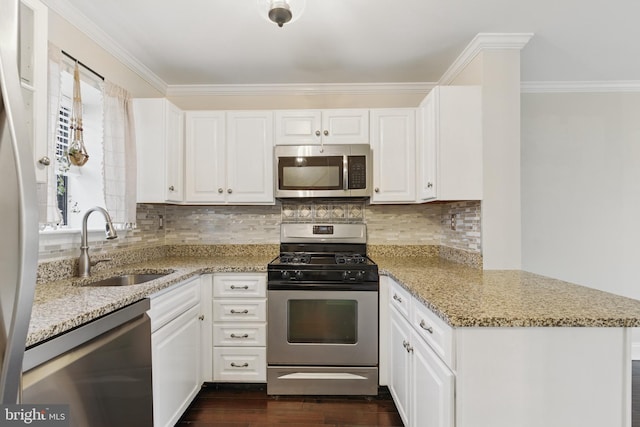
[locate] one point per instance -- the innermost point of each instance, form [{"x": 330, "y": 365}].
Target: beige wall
[
  {"x": 80, "y": 46},
  {"x": 302, "y": 101}
]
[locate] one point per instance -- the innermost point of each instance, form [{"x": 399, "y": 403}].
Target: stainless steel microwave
[{"x": 323, "y": 170}]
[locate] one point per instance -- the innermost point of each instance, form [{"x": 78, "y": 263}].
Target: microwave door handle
[{"x": 345, "y": 173}]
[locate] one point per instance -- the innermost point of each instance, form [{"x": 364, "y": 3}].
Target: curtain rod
[{"x": 87, "y": 68}]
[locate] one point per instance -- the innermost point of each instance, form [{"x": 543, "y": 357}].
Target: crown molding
[
  {"x": 419, "y": 88},
  {"x": 580, "y": 86},
  {"x": 79, "y": 20},
  {"x": 479, "y": 43}
]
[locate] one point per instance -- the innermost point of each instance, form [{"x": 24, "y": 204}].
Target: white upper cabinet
[
  {"x": 393, "y": 143},
  {"x": 159, "y": 127},
  {"x": 205, "y": 157},
  {"x": 250, "y": 157},
  {"x": 33, "y": 78},
  {"x": 300, "y": 127},
  {"x": 229, "y": 157},
  {"x": 450, "y": 144}
]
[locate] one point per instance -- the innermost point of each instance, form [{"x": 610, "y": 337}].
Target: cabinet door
[
  {"x": 33, "y": 77},
  {"x": 205, "y": 157},
  {"x": 150, "y": 127},
  {"x": 174, "y": 147},
  {"x": 426, "y": 147},
  {"x": 176, "y": 367},
  {"x": 345, "y": 126},
  {"x": 399, "y": 368},
  {"x": 298, "y": 127},
  {"x": 250, "y": 157},
  {"x": 393, "y": 142},
  {"x": 432, "y": 385}
]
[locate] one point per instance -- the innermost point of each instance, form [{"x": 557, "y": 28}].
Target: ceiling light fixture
[{"x": 281, "y": 11}]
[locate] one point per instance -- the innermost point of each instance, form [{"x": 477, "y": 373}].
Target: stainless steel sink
[{"x": 127, "y": 279}]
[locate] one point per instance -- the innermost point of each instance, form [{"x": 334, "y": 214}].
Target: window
[{"x": 80, "y": 188}]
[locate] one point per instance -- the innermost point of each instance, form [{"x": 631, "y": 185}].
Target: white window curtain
[
  {"x": 119, "y": 167},
  {"x": 50, "y": 217}
]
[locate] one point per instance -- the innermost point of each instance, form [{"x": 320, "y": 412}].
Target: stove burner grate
[{"x": 350, "y": 259}]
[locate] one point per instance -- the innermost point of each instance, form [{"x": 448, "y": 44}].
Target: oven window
[
  {"x": 310, "y": 173},
  {"x": 331, "y": 321}
]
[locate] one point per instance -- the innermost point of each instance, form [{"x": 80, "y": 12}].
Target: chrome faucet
[{"x": 84, "y": 262}]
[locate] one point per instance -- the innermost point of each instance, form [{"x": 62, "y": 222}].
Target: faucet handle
[{"x": 99, "y": 261}]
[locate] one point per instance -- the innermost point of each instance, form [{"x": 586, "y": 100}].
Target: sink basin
[{"x": 127, "y": 279}]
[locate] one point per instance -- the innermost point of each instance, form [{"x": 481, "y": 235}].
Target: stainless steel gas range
[{"x": 323, "y": 312}]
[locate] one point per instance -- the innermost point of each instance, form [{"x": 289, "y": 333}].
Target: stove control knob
[
  {"x": 285, "y": 275},
  {"x": 299, "y": 275},
  {"x": 360, "y": 275},
  {"x": 346, "y": 276}
]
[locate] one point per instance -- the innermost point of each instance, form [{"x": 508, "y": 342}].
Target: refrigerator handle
[{"x": 18, "y": 285}]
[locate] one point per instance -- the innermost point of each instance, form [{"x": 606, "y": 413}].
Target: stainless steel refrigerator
[{"x": 18, "y": 211}]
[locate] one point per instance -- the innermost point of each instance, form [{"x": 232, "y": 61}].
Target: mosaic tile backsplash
[{"x": 425, "y": 224}]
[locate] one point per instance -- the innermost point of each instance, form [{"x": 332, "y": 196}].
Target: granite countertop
[
  {"x": 65, "y": 304},
  {"x": 462, "y": 296},
  {"x": 467, "y": 297}
]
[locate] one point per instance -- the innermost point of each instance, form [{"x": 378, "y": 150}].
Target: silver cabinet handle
[
  {"x": 239, "y": 287},
  {"x": 229, "y": 191},
  {"x": 317, "y": 133},
  {"x": 429, "y": 185},
  {"x": 220, "y": 190},
  {"x": 244, "y": 365},
  {"x": 239, "y": 336},
  {"x": 397, "y": 298},
  {"x": 424, "y": 326},
  {"x": 239, "y": 312},
  {"x": 377, "y": 190},
  {"x": 326, "y": 133},
  {"x": 44, "y": 161},
  {"x": 201, "y": 317},
  {"x": 172, "y": 188}
]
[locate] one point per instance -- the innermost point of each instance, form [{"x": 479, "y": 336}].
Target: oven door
[{"x": 322, "y": 328}]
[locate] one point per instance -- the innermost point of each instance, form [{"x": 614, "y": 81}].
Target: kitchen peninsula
[{"x": 521, "y": 349}]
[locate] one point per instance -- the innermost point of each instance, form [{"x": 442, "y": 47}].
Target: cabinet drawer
[
  {"x": 239, "y": 335},
  {"x": 240, "y": 286},
  {"x": 400, "y": 298},
  {"x": 243, "y": 364},
  {"x": 434, "y": 331},
  {"x": 239, "y": 310},
  {"x": 175, "y": 301}
]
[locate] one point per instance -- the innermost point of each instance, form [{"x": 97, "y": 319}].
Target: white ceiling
[{"x": 366, "y": 41}]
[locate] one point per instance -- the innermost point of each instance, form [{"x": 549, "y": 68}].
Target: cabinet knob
[
  {"x": 229, "y": 191},
  {"x": 326, "y": 133},
  {"x": 317, "y": 133},
  {"x": 172, "y": 188},
  {"x": 377, "y": 190},
  {"x": 220, "y": 190},
  {"x": 429, "y": 185},
  {"x": 201, "y": 317},
  {"x": 44, "y": 161}
]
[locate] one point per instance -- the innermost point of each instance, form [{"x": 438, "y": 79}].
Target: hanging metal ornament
[{"x": 77, "y": 152}]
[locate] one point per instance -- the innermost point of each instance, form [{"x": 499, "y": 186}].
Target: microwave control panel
[{"x": 357, "y": 166}]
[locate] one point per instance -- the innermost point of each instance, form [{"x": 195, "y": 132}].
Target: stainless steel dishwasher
[{"x": 102, "y": 370}]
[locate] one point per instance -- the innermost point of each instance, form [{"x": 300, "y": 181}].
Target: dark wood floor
[
  {"x": 249, "y": 406},
  {"x": 244, "y": 406}
]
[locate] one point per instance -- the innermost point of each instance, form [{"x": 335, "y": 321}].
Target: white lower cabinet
[
  {"x": 176, "y": 324},
  {"x": 239, "y": 327},
  {"x": 421, "y": 384}
]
